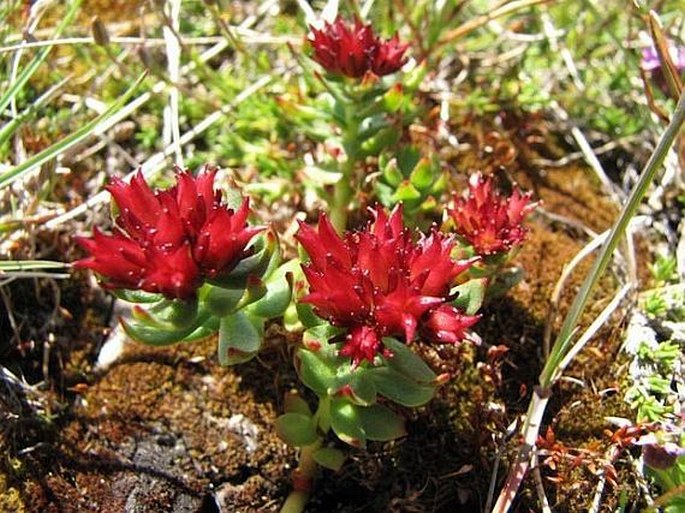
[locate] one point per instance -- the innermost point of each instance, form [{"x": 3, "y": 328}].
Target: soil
[{"x": 169, "y": 430}]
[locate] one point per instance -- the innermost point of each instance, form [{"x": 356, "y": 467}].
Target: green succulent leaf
[
  {"x": 254, "y": 265},
  {"x": 156, "y": 334},
  {"x": 400, "y": 389},
  {"x": 319, "y": 336},
  {"x": 372, "y": 125},
  {"x": 414, "y": 78},
  {"x": 238, "y": 338},
  {"x": 175, "y": 312},
  {"x": 293, "y": 403},
  {"x": 329, "y": 458},
  {"x": 406, "y": 192},
  {"x": 296, "y": 429},
  {"x": 392, "y": 173},
  {"x": 362, "y": 387},
  {"x": 314, "y": 372},
  {"x": 381, "y": 423},
  {"x": 322, "y": 176},
  {"x": 222, "y": 301},
  {"x": 384, "y": 138},
  {"x": 407, "y": 362},
  {"x": 470, "y": 295},
  {"x": 346, "y": 422},
  {"x": 278, "y": 293},
  {"x": 137, "y": 296},
  {"x": 207, "y": 329},
  {"x": 423, "y": 175},
  {"x": 385, "y": 194},
  {"x": 394, "y": 99}
]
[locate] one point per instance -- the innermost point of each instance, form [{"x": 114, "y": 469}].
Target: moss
[{"x": 10, "y": 497}]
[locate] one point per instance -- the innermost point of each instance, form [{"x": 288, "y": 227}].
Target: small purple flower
[
  {"x": 659, "y": 454},
  {"x": 651, "y": 62}
]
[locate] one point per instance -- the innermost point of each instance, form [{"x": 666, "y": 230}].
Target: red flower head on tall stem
[
  {"x": 169, "y": 241},
  {"x": 490, "y": 222},
  {"x": 354, "y": 50},
  {"x": 378, "y": 282}
]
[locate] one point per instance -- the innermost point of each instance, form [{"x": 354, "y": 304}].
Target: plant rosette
[
  {"x": 192, "y": 265},
  {"x": 412, "y": 180},
  {"x": 491, "y": 225},
  {"x": 364, "y": 106},
  {"x": 367, "y": 290}
]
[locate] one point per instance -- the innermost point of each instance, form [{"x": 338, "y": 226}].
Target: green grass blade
[
  {"x": 29, "y": 70},
  {"x": 30, "y": 265},
  {"x": 9, "y": 129},
  {"x": 69, "y": 141},
  {"x": 564, "y": 340}
]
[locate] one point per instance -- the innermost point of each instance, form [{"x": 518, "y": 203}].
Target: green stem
[
  {"x": 303, "y": 476},
  {"x": 342, "y": 195},
  {"x": 303, "y": 480},
  {"x": 343, "y": 191}
]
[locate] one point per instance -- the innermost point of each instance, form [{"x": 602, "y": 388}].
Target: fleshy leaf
[
  {"x": 307, "y": 316},
  {"x": 237, "y": 334},
  {"x": 314, "y": 372},
  {"x": 381, "y": 423},
  {"x": 319, "y": 336},
  {"x": 392, "y": 173},
  {"x": 384, "y": 138},
  {"x": 407, "y": 362},
  {"x": 137, "y": 296},
  {"x": 278, "y": 293},
  {"x": 296, "y": 429},
  {"x": 293, "y": 403},
  {"x": 346, "y": 422},
  {"x": 329, "y": 458},
  {"x": 256, "y": 264},
  {"x": 222, "y": 301},
  {"x": 400, "y": 389},
  {"x": 422, "y": 175},
  {"x": 406, "y": 192},
  {"x": 153, "y": 334},
  {"x": 362, "y": 388},
  {"x": 471, "y": 295}
]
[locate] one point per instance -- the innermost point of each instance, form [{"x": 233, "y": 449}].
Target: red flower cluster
[
  {"x": 490, "y": 222},
  {"x": 378, "y": 282},
  {"x": 355, "y": 50},
  {"x": 168, "y": 241}
]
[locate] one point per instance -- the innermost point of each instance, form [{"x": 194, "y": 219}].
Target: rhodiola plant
[
  {"x": 193, "y": 265},
  {"x": 373, "y": 295},
  {"x": 491, "y": 224},
  {"x": 366, "y": 300},
  {"x": 364, "y": 106}
]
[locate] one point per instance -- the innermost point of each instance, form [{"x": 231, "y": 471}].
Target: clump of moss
[{"x": 10, "y": 497}]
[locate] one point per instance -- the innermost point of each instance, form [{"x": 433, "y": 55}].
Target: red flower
[
  {"x": 379, "y": 282},
  {"x": 490, "y": 222},
  {"x": 354, "y": 50},
  {"x": 168, "y": 241}
]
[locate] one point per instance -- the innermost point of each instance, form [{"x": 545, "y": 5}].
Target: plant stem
[
  {"x": 303, "y": 478},
  {"x": 342, "y": 195},
  {"x": 343, "y": 191},
  {"x": 564, "y": 341}
]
